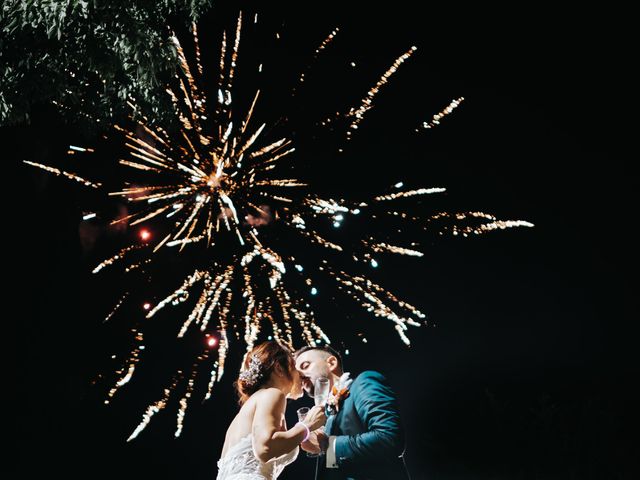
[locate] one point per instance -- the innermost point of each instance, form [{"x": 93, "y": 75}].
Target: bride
[{"x": 257, "y": 444}]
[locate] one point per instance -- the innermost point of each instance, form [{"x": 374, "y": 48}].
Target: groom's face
[{"x": 311, "y": 365}]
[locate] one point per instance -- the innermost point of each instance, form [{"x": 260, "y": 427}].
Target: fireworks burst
[{"x": 214, "y": 187}]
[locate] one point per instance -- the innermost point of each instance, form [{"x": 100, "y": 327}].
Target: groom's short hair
[{"x": 324, "y": 348}]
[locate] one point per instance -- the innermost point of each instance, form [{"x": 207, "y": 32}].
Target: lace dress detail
[{"x": 241, "y": 463}]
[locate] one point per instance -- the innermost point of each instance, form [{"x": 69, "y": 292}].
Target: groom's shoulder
[
  {"x": 371, "y": 383},
  {"x": 369, "y": 376}
]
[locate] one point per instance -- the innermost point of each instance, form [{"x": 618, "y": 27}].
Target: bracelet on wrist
[{"x": 308, "y": 434}]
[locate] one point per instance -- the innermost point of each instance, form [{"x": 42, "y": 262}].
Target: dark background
[{"x": 526, "y": 367}]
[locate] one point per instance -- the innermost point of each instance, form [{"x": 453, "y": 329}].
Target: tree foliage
[{"x": 88, "y": 55}]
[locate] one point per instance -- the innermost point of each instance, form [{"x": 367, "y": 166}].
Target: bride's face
[{"x": 296, "y": 386}]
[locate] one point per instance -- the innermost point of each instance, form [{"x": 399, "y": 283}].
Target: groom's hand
[{"x": 315, "y": 443}]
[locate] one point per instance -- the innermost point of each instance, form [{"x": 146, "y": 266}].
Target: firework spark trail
[
  {"x": 223, "y": 55},
  {"x": 311, "y": 332},
  {"x": 251, "y": 319},
  {"x": 488, "y": 223},
  {"x": 117, "y": 257},
  {"x": 134, "y": 358},
  {"x": 223, "y": 281},
  {"x": 224, "y": 342},
  {"x": 136, "y": 266},
  {"x": 384, "y": 247},
  {"x": 141, "y": 149},
  {"x": 74, "y": 148},
  {"x": 410, "y": 193},
  {"x": 435, "y": 121},
  {"x": 180, "y": 295},
  {"x": 370, "y": 296},
  {"x": 357, "y": 114},
  {"x": 155, "y": 408},
  {"x": 116, "y": 307},
  {"x": 185, "y": 241},
  {"x": 321, "y": 48},
  {"x": 198, "y": 310},
  {"x": 299, "y": 224},
  {"x": 321, "y": 206},
  {"x": 213, "y": 375},
  {"x": 59, "y": 172},
  {"x": 326, "y": 42},
  {"x": 182, "y": 410},
  {"x": 234, "y": 55},
  {"x": 491, "y": 226},
  {"x": 286, "y": 318},
  {"x": 208, "y": 300},
  {"x": 184, "y": 401},
  {"x": 139, "y": 166},
  {"x": 223, "y": 345},
  {"x": 218, "y": 178},
  {"x": 196, "y": 43}
]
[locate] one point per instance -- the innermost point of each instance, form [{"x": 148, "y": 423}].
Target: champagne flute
[
  {"x": 302, "y": 413},
  {"x": 321, "y": 391}
]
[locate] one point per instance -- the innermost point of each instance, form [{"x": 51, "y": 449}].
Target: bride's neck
[{"x": 279, "y": 383}]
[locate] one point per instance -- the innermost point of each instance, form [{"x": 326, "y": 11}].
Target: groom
[{"x": 365, "y": 438}]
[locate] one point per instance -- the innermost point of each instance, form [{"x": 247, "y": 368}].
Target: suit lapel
[
  {"x": 330, "y": 426},
  {"x": 333, "y": 422}
]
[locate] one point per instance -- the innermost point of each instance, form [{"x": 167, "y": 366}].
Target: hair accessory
[{"x": 253, "y": 373}]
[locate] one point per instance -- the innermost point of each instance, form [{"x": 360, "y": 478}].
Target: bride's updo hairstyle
[{"x": 261, "y": 362}]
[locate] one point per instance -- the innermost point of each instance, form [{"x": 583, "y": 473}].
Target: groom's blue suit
[{"x": 369, "y": 440}]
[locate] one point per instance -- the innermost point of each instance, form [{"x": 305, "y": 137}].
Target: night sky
[{"x": 526, "y": 366}]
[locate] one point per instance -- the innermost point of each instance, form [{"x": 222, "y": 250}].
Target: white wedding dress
[{"x": 241, "y": 463}]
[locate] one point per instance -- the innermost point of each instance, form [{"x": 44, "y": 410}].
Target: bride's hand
[{"x": 315, "y": 418}]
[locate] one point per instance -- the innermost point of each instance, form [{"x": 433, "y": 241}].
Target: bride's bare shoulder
[{"x": 269, "y": 397}]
